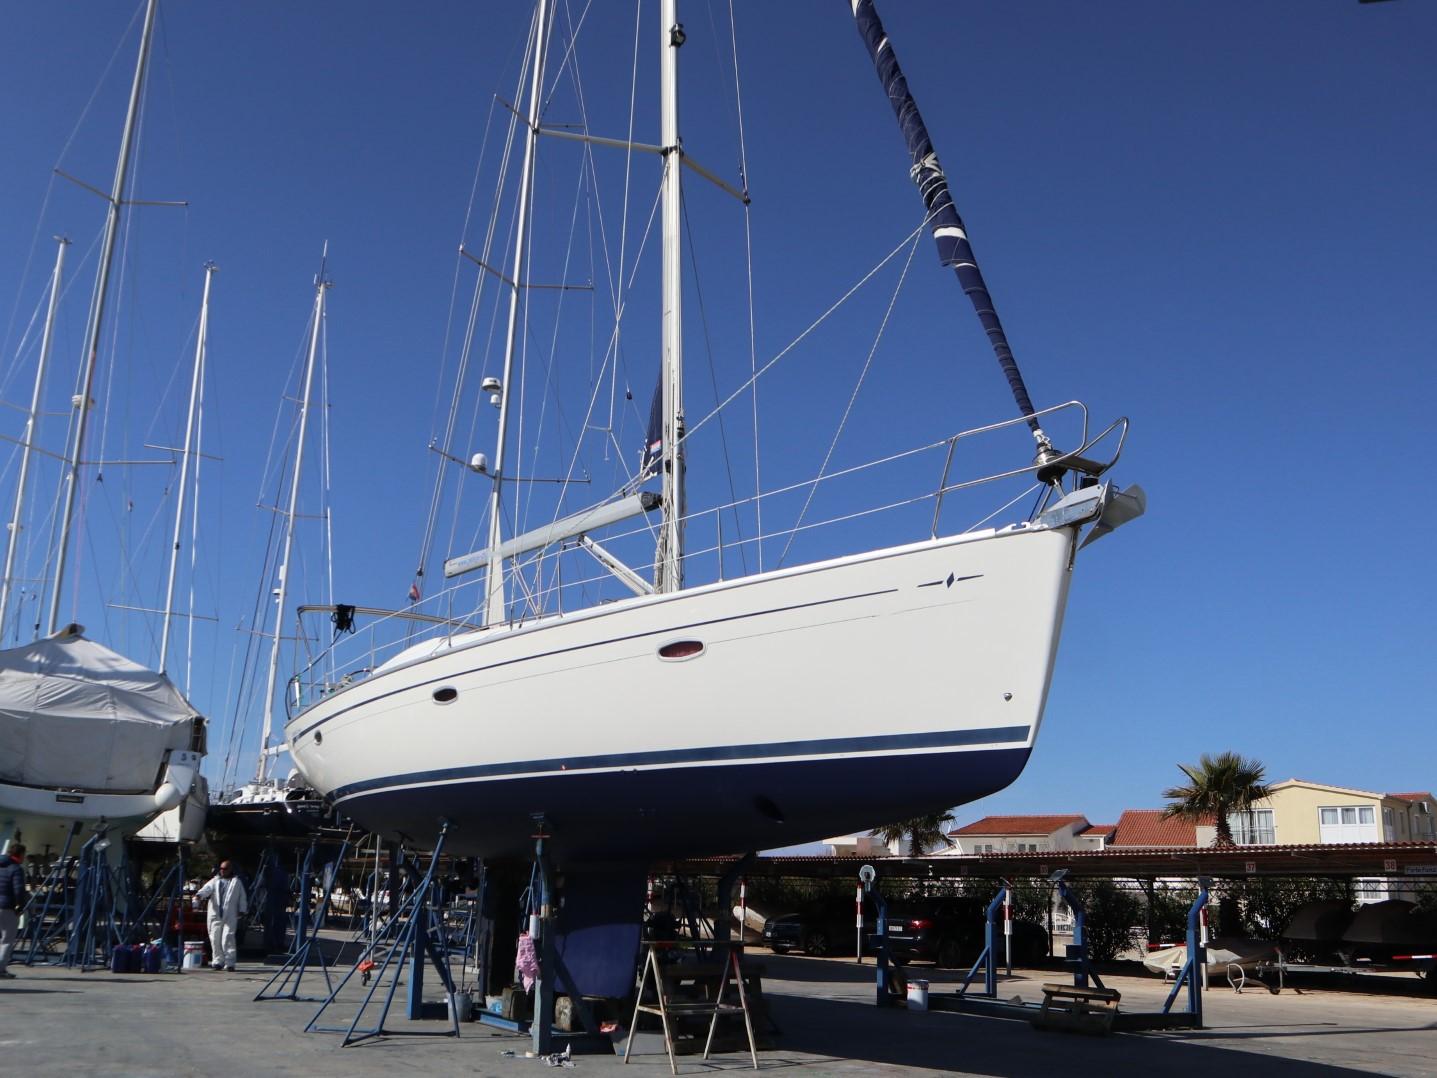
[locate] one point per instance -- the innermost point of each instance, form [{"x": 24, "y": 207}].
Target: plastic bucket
[
  {"x": 917, "y": 995},
  {"x": 194, "y": 954},
  {"x": 461, "y": 1007}
]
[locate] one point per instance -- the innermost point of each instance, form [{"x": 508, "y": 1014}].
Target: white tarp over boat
[
  {"x": 1222, "y": 951},
  {"x": 75, "y": 714}
]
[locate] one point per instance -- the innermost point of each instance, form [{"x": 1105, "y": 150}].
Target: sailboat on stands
[
  {"x": 88, "y": 738},
  {"x": 731, "y": 714}
]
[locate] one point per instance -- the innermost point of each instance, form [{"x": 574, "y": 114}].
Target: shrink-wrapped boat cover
[{"x": 76, "y": 715}]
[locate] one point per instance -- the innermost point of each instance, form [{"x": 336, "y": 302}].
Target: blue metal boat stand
[
  {"x": 307, "y": 946},
  {"x": 408, "y": 936}
]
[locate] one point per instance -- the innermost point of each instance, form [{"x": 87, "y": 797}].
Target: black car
[
  {"x": 950, "y": 933},
  {"x": 923, "y": 935},
  {"x": 817, "y": 933}
]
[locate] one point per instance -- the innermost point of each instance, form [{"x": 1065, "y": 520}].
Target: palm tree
[
  {"x": 922, "y": 832},
  {"x": 1217, "y": 786}
]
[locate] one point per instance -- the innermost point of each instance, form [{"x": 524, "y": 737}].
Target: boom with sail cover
[{"x": 947, "y": 227}]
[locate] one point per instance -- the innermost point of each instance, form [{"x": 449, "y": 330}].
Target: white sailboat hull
[
  {"x": 43, "y": 817},
  {"x": 826, "y": 698}
]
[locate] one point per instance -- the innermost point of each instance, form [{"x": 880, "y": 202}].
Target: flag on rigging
[{"x": 414, "y": 592}]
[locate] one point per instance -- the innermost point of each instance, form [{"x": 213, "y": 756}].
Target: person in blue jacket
[{"x": 12, "y": 901}]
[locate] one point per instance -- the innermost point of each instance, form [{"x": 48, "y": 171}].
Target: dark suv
[
  {"x": 816, "y": 932},
  {"x": 949, "y": 932}
]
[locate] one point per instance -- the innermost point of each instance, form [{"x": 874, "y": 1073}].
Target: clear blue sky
[{"x": 1214, "y": 218}]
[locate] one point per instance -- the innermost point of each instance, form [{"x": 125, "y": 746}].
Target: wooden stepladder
[{"x": 666, "y": 1008}]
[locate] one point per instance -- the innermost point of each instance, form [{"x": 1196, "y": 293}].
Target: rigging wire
[
  {"x": 748, "y": 267},
  {"x": 474, "y": 309},
  {"x": 713, "y": 381},
  {"x": 50, "y": 187},
  {"x": 436, "y": 495},
  {"x": 823, "y": 317},
  {"x": 853, "y": 397}
]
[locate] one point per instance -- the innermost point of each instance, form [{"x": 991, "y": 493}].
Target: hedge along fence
[{"x": 1122, "y": 913}]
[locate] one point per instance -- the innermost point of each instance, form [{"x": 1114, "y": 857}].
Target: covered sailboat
[
  {"x": 733, "y": 714},
  {"x": 88, "y": 735}
]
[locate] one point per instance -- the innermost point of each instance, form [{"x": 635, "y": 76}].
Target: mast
[
  {"x": 494, "y": 605},
  {"x": 97, "y": 314},
  {"x": 30, "y": 424},
  {"x": 196, "y": 378},
  {"x": 266, "y": 753},
  {"x": 668, "y": 568}
]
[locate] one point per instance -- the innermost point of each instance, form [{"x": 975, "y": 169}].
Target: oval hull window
[
  {"x": 681, "y": 649},
  {"x": 446, "y": 695},
  {"x": 318, "y": 738}
]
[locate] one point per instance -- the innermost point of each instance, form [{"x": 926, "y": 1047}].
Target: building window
[
  {"x": 1347, "y": 823},
  {"x": 1252, "y": 828},
  {"x": 1389, "y": 831}
]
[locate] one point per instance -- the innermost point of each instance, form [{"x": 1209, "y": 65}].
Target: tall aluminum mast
[
  {"x": 97, "y": 313},
  {"x": 669, "y": 566},
  {"x": 494, "y": 604},
  {"x": 28, "y": 442},
  {"x": 195, "y": 380},
  {"x": 266, "y": 752}
]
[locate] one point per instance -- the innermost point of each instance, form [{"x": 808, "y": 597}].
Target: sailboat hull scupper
[{"x": 822, "y": 698}]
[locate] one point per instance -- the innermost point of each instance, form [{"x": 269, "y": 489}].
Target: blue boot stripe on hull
[
  {"x": 602, "y": 817},
  {"x": 672, "y": 757}
]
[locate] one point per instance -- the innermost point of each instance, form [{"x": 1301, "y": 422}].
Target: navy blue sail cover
[
  {"x": 654, "y": 439},
  {"x": 948, "y": 232}
]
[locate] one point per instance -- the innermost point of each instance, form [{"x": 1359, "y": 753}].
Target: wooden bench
[{"x": 1078, "y": 1010}]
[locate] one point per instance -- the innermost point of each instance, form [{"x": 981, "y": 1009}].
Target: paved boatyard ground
[{"x": 55, "y": 1021}]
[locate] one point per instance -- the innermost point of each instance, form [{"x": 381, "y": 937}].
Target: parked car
[
  {"x": 949, "y": 932},
  {"x": 817, "y": 932}
]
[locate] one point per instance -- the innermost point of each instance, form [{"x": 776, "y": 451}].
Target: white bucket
[
  {"x": 194, "y": 954},
  {"x": 917, "y": 995}
]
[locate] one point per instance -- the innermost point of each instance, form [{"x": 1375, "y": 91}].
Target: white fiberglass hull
[
  {"x": 42, "y": 818},
  {"x": 826, "y": 698}
]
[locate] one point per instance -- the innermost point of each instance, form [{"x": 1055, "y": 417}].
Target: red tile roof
[
  {"x": 1146, "y": 827},
  {"x": 1105, "y": 829},
  {"x": 1018, "y": 825},
  {"x": 1418, "y": 796}
]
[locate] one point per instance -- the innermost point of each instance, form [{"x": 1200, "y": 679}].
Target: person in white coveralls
[{"x": 227, "y": 902}]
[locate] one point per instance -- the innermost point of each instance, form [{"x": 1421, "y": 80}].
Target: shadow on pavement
[{"x": 840, "y": 1030}]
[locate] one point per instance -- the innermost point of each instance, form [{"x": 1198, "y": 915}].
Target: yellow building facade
[{"x": 1302, "y": 813}]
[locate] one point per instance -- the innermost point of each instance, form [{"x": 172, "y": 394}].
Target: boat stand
[
  {"x": 285, "y": 982},
  {"x": 408, "y": 936},
  {"x": 1082, "y": 1007},
  {"x": 885, "y": 992},
  {"x": 166, "y": 899},
  {"x": 258, "y": 894},
  {"x": 988, "y": 960},
  {"x": 46, "y": 926},
  {"x": 665, "y": 1008},
  {"x": 93, "y": 928},
  {"x": 540, "y": 1028}
]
